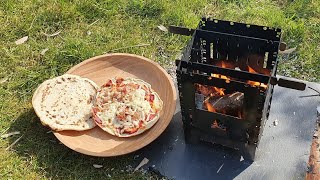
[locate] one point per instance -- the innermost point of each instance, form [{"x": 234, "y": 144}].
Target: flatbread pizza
[
  {"x": 65, "y": 103},
  {"x": 126, "y": 107}
]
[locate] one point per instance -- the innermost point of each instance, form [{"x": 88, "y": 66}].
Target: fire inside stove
[
  {"x": 219, "y": 100},
  {"x": 224, "y": 80},
  {"x": 214, "y": 99}
]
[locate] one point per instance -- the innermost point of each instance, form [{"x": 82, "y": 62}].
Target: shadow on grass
[{"x": 54, "y": 160}]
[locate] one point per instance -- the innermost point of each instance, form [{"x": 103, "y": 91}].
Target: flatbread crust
[
  {"x": 65, "y": 103},
  {"x": 110, "y": 127}
]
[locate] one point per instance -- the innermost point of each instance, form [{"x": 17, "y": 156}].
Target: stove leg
[{"x": 191, "y": 136}]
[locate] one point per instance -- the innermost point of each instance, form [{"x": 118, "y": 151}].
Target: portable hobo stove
[{"x": 226, "y": 77}]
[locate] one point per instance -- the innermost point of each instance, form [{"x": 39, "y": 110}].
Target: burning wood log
[{"x": 230, "y": 104}]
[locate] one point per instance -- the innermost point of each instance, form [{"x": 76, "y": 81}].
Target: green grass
[{"x": 90, "y": 28}]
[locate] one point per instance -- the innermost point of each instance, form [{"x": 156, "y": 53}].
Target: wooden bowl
[{"x": 97, "y": 142}]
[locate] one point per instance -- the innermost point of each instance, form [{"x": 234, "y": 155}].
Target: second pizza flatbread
[{"x": 65, "y": 103}]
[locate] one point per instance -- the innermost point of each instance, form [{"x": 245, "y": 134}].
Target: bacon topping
[{"x": 151, "y": 117}]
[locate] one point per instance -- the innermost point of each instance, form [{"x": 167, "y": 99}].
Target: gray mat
[{"x": 283, "y": 151}]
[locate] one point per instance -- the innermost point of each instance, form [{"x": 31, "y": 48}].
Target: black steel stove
[{"x": 226, "y": 77}]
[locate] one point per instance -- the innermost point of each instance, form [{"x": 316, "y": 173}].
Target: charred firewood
[{"x": 230, "y": 104}]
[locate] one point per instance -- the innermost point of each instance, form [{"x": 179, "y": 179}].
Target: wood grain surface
[{"x": 97, "y": 142}]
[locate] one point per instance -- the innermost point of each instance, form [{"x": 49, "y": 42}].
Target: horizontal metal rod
[{"x": 242, "y": 75}]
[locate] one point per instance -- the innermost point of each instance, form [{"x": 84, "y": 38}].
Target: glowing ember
[{"x": 215, "y": 124}]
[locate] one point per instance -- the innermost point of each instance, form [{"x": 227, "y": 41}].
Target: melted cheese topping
[
  {"x": 139, "y": 102},
  {"x": 122, "y": 106}
]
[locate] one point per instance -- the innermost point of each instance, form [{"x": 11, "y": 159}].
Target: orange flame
[
  {"x": 210, "y": 107},
  {"x": 257, "y": 84},
  {"x": 254, "y": 83},
  {"x": 215, "y": 75},
  {"x": 221, "y": 77},
  {"x": 225, "y": 64},
  {"x": 251, "y": 70},
  {"x": 220, "y": 91}
]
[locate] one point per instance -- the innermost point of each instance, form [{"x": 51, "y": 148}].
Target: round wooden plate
[{"x": 97, "y": 142}]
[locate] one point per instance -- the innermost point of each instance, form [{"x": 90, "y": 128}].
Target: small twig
[
  {"x": 220, "y": 168},
  {"x": 93, "y": 22},
  {"x": 10, "y": 134},
  {"x": 138, "y": 45},
  {"x": 52, "y": 35},
  {"x": 15, "y": 142},
  {"x": 142, "y": 163}
]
